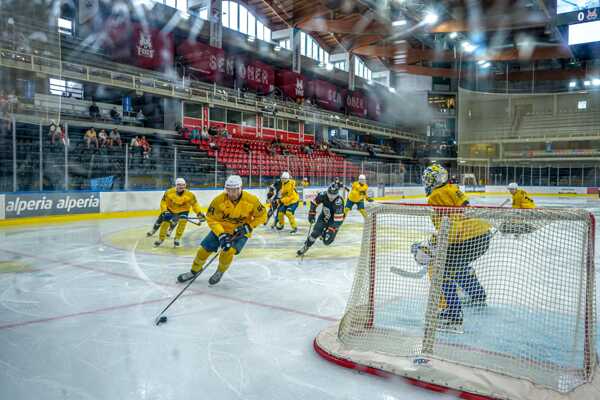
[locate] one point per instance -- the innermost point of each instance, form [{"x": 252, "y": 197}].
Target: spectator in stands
[
  {"x": 204, "y": 134},
  {"x": 213, "y": 146},
  {"x": 212, "y": 131},
  {"x": 115, "y": 116},
  {"x": 246, "y": 147},
  {"x": 115, "y": 138},
  {"x": 64, "y": 136},
  {"x": 195, "y": 136},
  {"x": 54, "y": 132},
  {"x": 94, "y": 111},
  {"x": 307, "y": 150},
  {"x": 371, "y": 151},
  {"x": 225, "y": 134},
  {"x": 140, "y": 117},
  {"x": 103, "y": 138},
  {"x": 90, "y": 136},
  {"x": 145, "y": 147},
  {"x": 136, "y": 145}
]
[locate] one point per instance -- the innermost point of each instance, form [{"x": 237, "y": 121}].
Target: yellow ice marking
[{"x": 13, "y": 266}]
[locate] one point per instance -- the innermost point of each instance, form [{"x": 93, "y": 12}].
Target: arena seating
[{"x": 260, "y": 161}]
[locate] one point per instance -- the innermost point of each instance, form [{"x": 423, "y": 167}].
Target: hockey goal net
[{"x": 517, "y": 287}]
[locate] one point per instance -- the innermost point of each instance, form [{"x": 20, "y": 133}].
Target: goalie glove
[{"x": 422, "y": 252}]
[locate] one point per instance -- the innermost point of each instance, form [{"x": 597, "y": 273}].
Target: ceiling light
[
  {"x": 391, "y": 89},
  {"x": 587, "y": 83},
  {"x": 486, "y": 65},
  {"x": 329, "y": 67},
  {"x": 572, "y": 84},
  {"x": 596, "y": 82},
  {"x": 453, "y": 35},
  {"x": 369, "y": 82},
  {"x": 251, "y": 39},
  {"x": 400, "y": 22},
  {"x": 468, "y": 47},
  {"x": 431, "y": 18},
  {"x": 481, "y": 62},
  {"x": 277, "y": 48}
]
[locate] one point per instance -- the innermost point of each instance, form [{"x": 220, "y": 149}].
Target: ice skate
[{"x": 216, "y": 277}]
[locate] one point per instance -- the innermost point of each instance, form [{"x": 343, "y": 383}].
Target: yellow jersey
[
  {"x": 522, "y": 200},
  {"x": 289, "y": 195},
  {"x": 461, "y": 228},
  {"x": 358, "y": 192},
  {"x": 224, "y": 216},
  {"x": 178, "y": 203}
]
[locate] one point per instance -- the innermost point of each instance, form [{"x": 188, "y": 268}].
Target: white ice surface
[{"x": 79, "y": 323}]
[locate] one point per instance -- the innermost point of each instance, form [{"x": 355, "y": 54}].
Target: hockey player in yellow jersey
[
  {"x": 289, "y": 200},
  {"x": 358, "y": 195},
  {"x": 520, "y": 198},
  {"x": 468, "y": 239},
  {"x": 174, "y": 209},
  {"x": 231, "y": 217}
]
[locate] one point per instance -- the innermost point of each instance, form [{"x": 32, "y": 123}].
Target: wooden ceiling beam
[
  {"x": 522, "y": 20},
  {"x": 345, "y": 25}
]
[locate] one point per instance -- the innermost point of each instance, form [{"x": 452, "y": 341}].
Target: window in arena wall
[
  {"x": 249, "y": 119},
  {"x": 234, "y": 117},
  {"x": 309, "y": 128},
  {"x": 193, "y": 110},
  {"x": 268, "y": 122},
  {"x": 282, "y": 124},
  {"x": 237, "y": 16},
  {"x": 217, "y": 114},
  {"x": 293, "y": 126}
]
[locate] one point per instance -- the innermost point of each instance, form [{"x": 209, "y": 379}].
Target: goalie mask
[
  {"x": 434, "y": 176},
  {"x": 422, "y": 252}
]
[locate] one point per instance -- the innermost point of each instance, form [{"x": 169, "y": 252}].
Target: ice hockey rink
[{"x": 78, "y": 300}]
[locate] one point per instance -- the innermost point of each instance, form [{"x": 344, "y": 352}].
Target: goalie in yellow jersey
[
  {"x": 520, "y": 200},
  {"x": 174, "y": 209},
  {"x": 288, "y": 203},
  {"x": 231, "y": 217},
  {"x": 358, "y": 194},
  {"x": 468, "y": 240}
]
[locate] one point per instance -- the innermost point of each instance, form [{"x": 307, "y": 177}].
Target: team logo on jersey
[{"x": 144, "y": 46}]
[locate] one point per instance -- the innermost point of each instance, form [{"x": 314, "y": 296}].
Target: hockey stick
[
  {"x": 505, "y": 202},
  {"x": 305, "y": 240},
  {"x": 195, "y": 220},
  {"x": 158, "y": 320},
  {"x": 414, "y": 275}
]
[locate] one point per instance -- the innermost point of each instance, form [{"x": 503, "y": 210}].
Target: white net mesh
[{"x": 503, "y": 290}]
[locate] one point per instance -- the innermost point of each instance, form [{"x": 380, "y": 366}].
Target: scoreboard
[
  {"x": 577, "y": 11},
  {"x": 579, "y": 22}
]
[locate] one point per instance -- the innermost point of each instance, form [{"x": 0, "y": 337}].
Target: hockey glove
[
  {"x": 329, "y": 235},
  {"x": 370, "y": 200},
  {"x": 312, "y": 216},
  {"x": 242, "y": 230},
  {"x": 167, "y": 216},
  {"x": 225, "y": 241}
]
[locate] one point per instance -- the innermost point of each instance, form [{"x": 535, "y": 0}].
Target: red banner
[
  {"x": 257, "y": 76},
  {"x": 291, "y": 84},
  {"x": 151, "y": 48},
  {"x": 355, "y": 103},
  {"x": 325, "y": 95},
  {"x": 133, "y": 44},
  {"x": 209, "y": 63}
]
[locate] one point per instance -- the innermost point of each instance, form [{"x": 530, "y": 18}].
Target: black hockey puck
[{"x": 161, "y": 320}]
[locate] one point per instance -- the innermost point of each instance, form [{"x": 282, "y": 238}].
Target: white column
[{"x": 216, "y": 27}]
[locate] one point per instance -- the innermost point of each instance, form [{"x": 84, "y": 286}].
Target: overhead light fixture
[
  {"x": 453, "y": 35},
  {"x": 486, "y": 65},
  {"x": 431, "y": 18},
  {"x": 369, "y": 82},
  {"x": 277, "y": 48},
  {"x": 468, "y": 47},
  {"x": 251, "y": 39},
  {"x": 185, "y": 15},
  {"x": 400, "y": 22},
  {"x": 392, "y": 90},
  {"x": 596, "y": 82},
  {"x": 329, "y": 67},
  {"x": 587, "y": 83},
  {"x": 572, "y": 84},
  {"x": 481, "y": 62}
]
